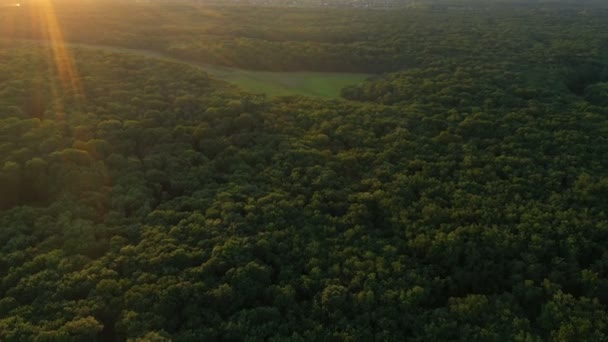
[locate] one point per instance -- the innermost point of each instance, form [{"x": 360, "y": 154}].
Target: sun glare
[{"x": 60, "y": 58}]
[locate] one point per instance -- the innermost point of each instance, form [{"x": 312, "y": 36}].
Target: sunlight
[{"x": 61, "y": 58}]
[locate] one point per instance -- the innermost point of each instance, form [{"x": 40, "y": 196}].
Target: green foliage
[{"x": 461, "y": 198}]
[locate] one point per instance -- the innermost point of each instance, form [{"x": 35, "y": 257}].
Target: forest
[{"x": 459, "y": 195}]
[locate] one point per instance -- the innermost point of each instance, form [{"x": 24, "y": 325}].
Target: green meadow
[{"x": 317, "y": 84}]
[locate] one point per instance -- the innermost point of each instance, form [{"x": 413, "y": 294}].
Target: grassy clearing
[{"x": 317, "y": 84}]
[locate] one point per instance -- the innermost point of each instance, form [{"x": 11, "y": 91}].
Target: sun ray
[{"x": 65, "y": 66}]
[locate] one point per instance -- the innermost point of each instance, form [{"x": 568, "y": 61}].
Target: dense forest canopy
[{"x": 460, "y": 195}]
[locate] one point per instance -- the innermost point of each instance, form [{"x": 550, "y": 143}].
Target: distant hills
[
  {"x": 388, "y": 4},
  {"x": 317, "y": 3}
]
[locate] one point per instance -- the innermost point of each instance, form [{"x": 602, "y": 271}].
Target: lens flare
[{"x": 43, "y": 12}]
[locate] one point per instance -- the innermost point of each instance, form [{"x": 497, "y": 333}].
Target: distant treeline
[{"x": 325, "y": 40}]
